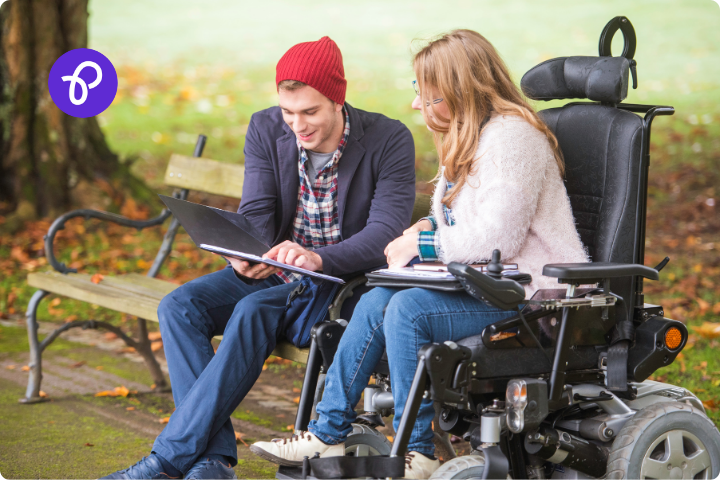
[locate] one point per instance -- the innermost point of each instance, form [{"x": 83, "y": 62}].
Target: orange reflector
[{"x": 673, "y": 338}]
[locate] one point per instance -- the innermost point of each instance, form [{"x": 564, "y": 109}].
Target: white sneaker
[
  {"x": 418, "y": 465},
  {"x": 291, "y": 451}
]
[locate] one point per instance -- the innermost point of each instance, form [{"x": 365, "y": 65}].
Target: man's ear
[{"x": 338, "y": 107}]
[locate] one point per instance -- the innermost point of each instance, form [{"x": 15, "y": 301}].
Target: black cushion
[
  {"x": 601, "y": 148},
  {"x": 602, "y": 79}
]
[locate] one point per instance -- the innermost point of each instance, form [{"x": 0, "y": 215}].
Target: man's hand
[
  {"x": 259, "y": 271},
  {"x": 293, "y": 254},
  {"x": 400, "y": 251},
  {"x": 423, "y": 225}
]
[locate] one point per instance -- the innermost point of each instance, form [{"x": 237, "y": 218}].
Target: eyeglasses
[{"x": 417, "y": 91}]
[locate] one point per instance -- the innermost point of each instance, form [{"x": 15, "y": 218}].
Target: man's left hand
[
  {"x": 293, "y": 254},
  {"x": 400, "y": 251}
]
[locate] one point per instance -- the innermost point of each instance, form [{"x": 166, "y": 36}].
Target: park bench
[{"x": 140, "y": 295}]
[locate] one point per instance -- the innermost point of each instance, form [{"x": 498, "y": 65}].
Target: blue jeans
[
  {"x": 400, "y": 321},
  {"x": 208, "y": 386}
]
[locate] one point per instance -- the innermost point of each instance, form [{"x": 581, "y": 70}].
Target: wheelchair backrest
[{"x": 602, "y": 148}]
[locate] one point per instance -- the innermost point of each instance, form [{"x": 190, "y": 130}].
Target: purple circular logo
[{"x": 83, "y": 82}]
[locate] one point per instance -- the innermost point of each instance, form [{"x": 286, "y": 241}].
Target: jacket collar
[{"x": 288, "y": 171}]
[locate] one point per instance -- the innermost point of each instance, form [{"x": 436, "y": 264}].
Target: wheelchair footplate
[{"x": 378, "y": 466}]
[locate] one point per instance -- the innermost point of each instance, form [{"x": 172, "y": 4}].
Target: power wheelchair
[{"x": 560, "y": 390}]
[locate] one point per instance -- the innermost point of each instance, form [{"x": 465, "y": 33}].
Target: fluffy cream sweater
[{"x": 514, "y": 200}]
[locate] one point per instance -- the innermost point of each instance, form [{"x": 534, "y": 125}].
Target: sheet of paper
[{"x": 254, "y": 258}]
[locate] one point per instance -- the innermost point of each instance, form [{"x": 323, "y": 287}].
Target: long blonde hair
[{"x": 474, "y": 82}]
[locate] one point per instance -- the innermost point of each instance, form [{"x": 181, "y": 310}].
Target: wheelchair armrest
[{"x": 584, "y": 273}]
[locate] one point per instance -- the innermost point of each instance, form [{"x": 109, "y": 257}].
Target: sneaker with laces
[
  {"x": 291, "y": 451},
  {"x": 418, "y": 465}
]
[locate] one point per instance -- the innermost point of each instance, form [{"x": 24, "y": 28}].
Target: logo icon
[{"x": 83, "y": 83}]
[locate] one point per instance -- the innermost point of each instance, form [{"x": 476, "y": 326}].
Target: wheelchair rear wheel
[
  {"x": 666, "y": 440},
  {"x": 366, "y": 441},
  {"x": 467, "y": 466}
]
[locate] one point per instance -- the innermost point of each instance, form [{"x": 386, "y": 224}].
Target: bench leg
[
  {"x": 32, "y": 394},
  {"x": 144, "y": 348}
]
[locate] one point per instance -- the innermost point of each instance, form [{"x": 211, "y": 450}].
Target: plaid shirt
[
  {"x": 316, "y": 221},
  {"x": 429, "y": 241}
]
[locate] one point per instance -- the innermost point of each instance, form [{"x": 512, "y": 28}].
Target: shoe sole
[{"x": 274, "y": 459}]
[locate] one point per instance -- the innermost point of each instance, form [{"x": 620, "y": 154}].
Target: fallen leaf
[
  {"x": 290, "y": 428},
  {"x": 89, "y": 445},
  {"x": 134, "y": 400},
  {"x": 130, "y": 409},
  {"x": 43, "y": 394},
  {"x": 110, "y": 335},
  {"x": 71, "y": 318},
  {"x": 126, "y": 350},
  {"x": 120, "y": 391},
  {"x": 282, "y": 415},
  {"x": 711, "y": 405},
  {"x": 153, "y": 386},
  {"x": 239, "y": 438},
  {"x": 704, "y": 306},
  {"x": 296, "y": 390},
  {"x": 99, "y": 367},
  {"x": 78, "y": 364},
  {"x": 164, "y": 420},
  {"x": 155, "y": 346},
  {"x": 716, "y": 309},
  {"x": 389, "y": 437},
  {"x": 55, "y": 302},
  {"x": 708, "y": 330},
  {"x": 25, "y": 368},
  {"x": 154, "y": 336},
  {"x": 10, "y": 367},
  {"x": 296, "y": 400},
  {"x": 97, "y": 278}
]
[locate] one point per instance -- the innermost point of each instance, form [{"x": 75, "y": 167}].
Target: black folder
[{"x": 227, "y": 233}]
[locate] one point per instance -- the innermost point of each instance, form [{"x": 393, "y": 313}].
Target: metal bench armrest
[{"x": 59, "y": 224}]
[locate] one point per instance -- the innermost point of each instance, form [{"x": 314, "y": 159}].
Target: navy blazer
[{"x": 376, "y": 186}]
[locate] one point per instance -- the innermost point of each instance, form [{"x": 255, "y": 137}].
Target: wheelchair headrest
[{"x": 602, "y": 79}]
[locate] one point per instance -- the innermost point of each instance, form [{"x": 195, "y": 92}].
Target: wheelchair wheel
[
  {"x": 468, "y": 466},
  {"x": 666, "y": 440},
  {"x": 365, "y": 441}
]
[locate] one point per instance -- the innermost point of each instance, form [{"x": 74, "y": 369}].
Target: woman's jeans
[{"x": 400, "y": 321}]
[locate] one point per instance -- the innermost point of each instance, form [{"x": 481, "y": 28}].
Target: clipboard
[{"x": 229, "y": 234}]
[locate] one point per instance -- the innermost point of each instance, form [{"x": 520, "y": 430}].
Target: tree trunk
[{"x": 44, "y": 151}]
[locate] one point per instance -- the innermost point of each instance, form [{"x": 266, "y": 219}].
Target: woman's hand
[
  {"x": 293, "y": 254},
  {"x": 423, "y": 225},
  {"x": 259, "y": 271},
  {"x": 400, "y": 251}
]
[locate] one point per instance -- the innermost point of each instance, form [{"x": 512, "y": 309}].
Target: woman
[{"x": 499, "y": 186}]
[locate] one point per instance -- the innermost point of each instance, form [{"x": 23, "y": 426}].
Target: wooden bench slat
[
  {"x": 133, "y": 294},
  {"x": 205, "y": 175},
  {"x": 109, "y": 293},
  {"x": 289, "y": 351}
]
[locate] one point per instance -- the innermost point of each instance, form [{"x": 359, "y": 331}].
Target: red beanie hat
[{"x": 318, "y": 64}]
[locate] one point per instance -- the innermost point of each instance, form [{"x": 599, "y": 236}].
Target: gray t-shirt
[{"x": 316, "y": 162}]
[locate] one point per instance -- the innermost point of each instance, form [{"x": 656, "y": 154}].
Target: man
[{"x": 329, "y": 186}]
